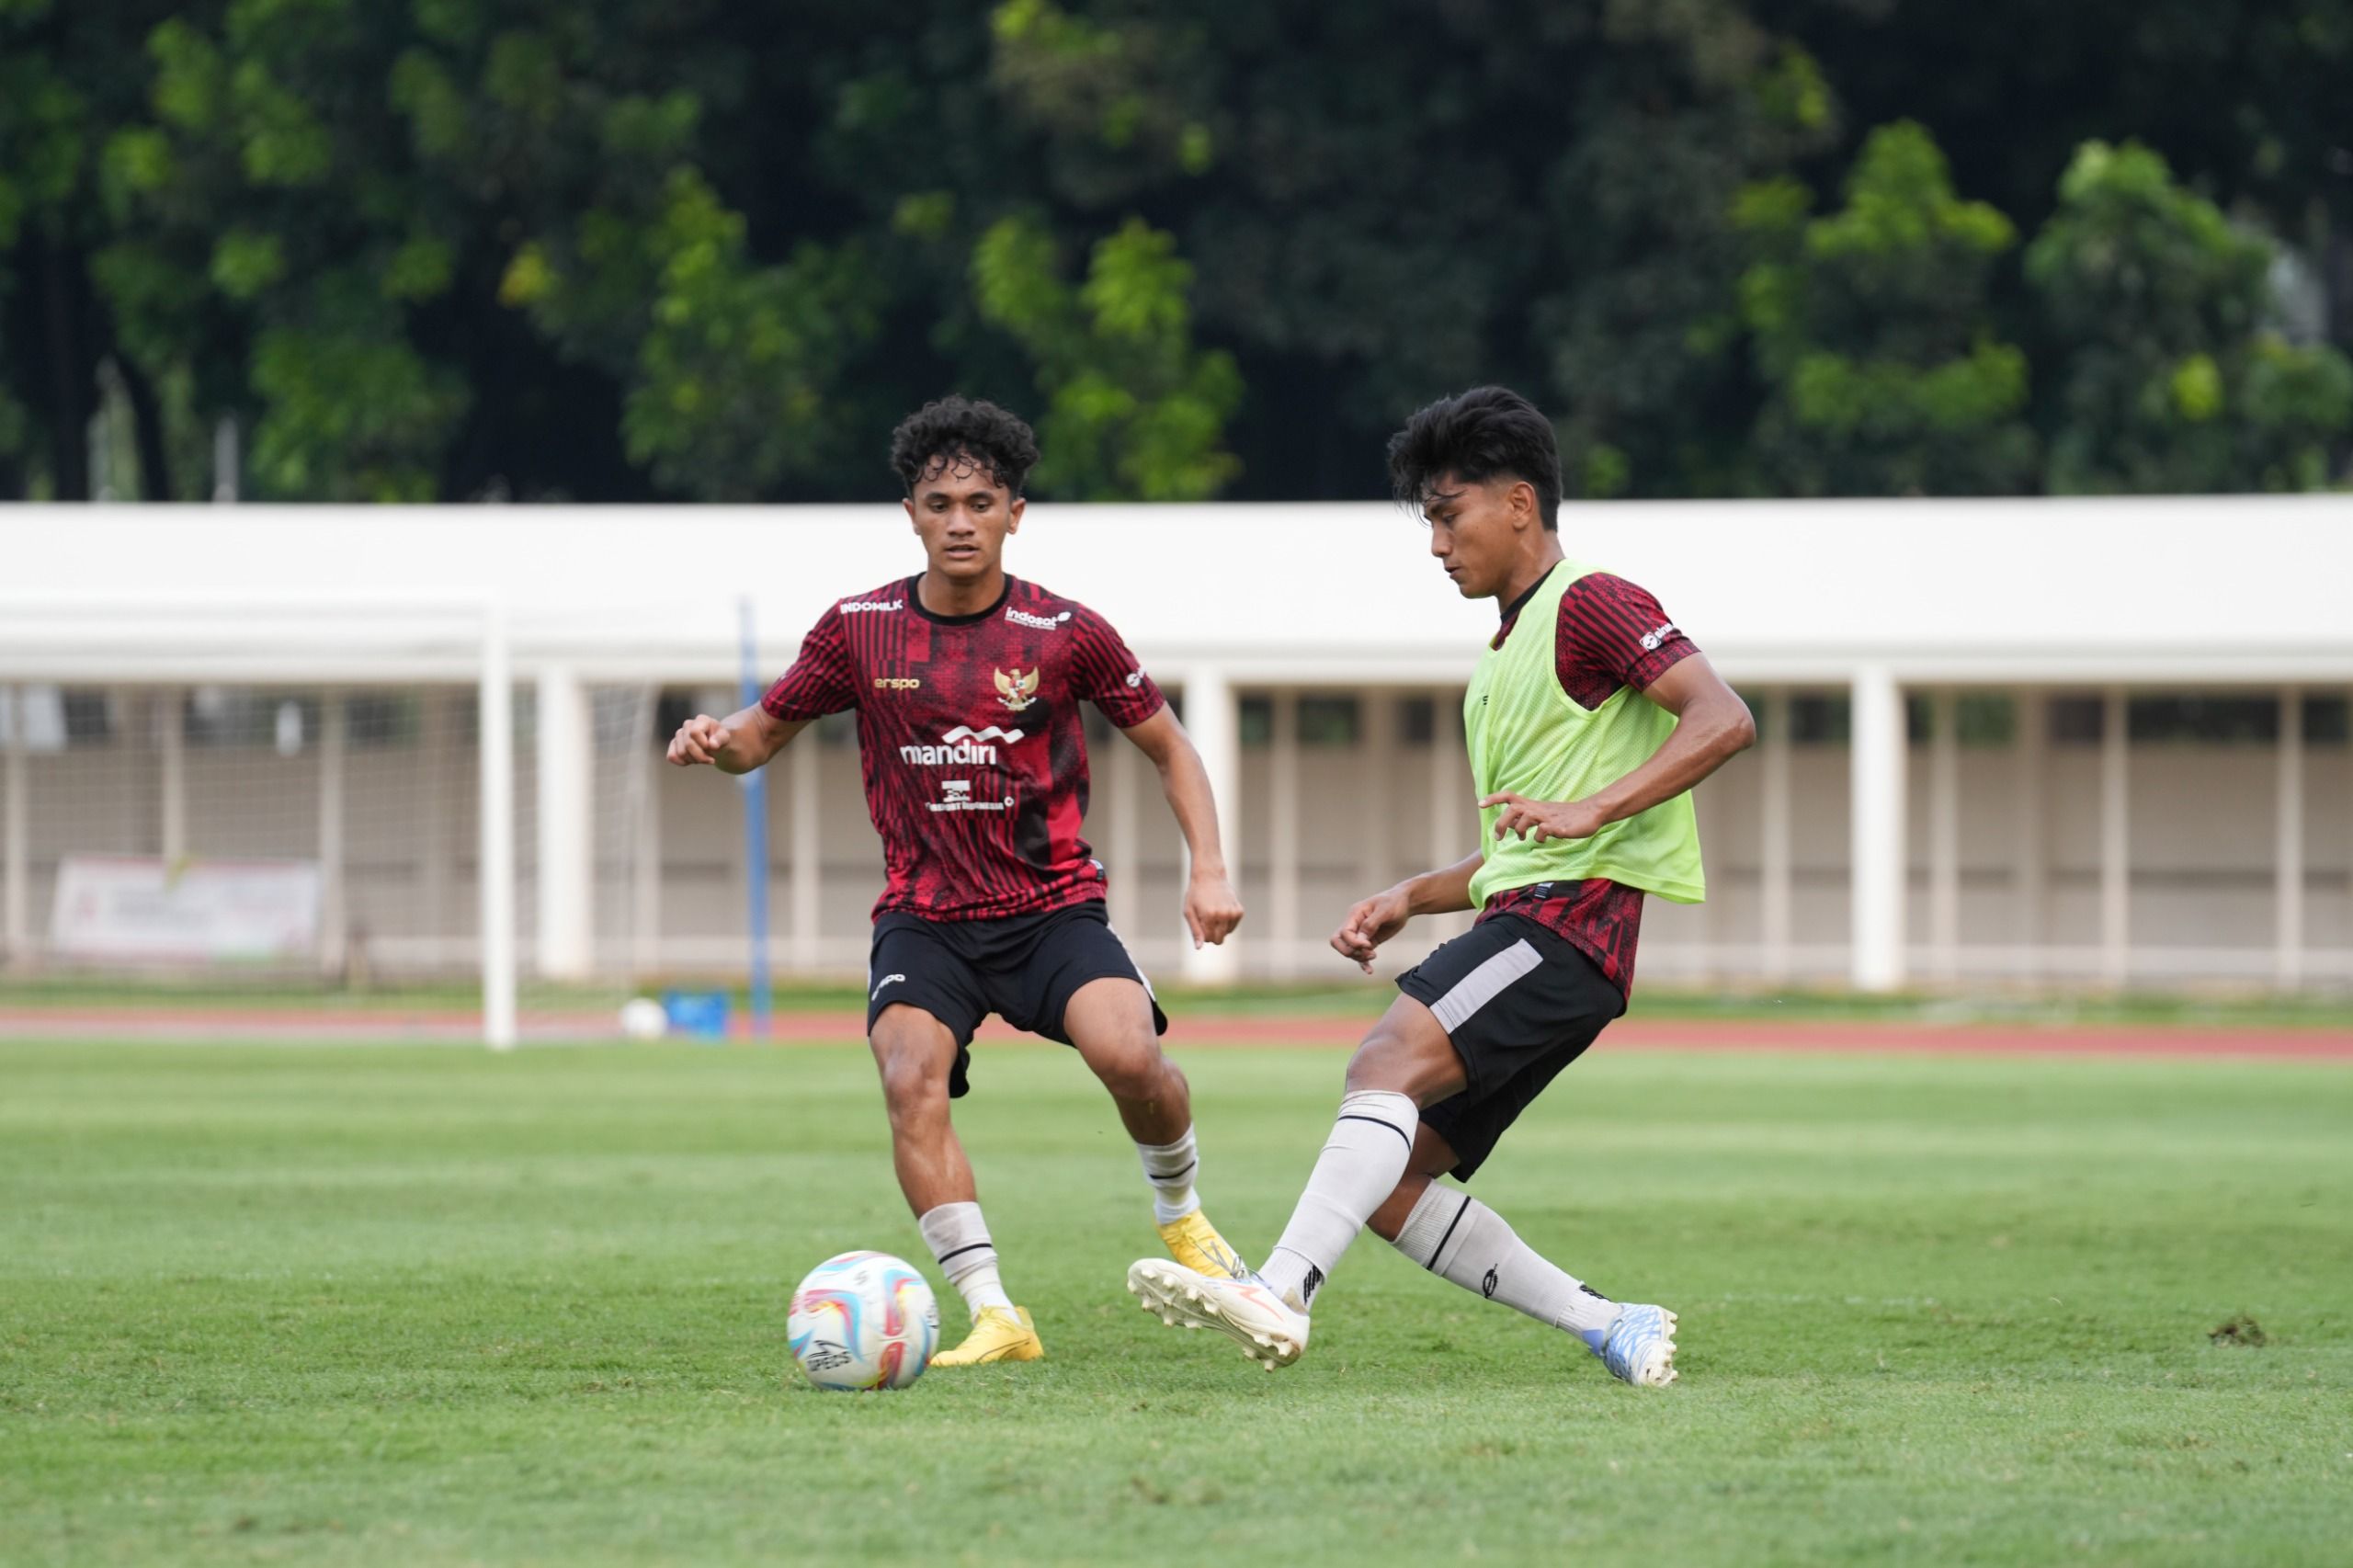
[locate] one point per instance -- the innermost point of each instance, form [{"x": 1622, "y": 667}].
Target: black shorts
[
  {"x": 1520, "y": 1003},
  {"x": 1025, "y": 969}
]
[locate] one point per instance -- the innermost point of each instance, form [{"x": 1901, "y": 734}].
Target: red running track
[{"x": 1891, "y": 1038}]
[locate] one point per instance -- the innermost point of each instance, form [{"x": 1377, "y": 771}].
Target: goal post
[
  {"x": 216, "y": 812},
  {"x": 496, "y": 816}
]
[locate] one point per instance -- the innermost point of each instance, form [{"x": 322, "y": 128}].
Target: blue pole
[{"x": 756, "y": 842}]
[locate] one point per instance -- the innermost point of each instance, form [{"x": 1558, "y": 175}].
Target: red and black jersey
[
  {"x": 1610, "y": 634},
  {"x": 1601, "y": 918},
  {"x": 971, "y": 740}
]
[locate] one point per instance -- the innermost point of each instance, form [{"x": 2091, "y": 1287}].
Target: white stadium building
[{"x": 2044, "y": 742}]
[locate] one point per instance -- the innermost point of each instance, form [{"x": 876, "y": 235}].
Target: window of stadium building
[
  {"x": 2178, "y": 719},
  {"x": 225, "y": 718},
  {"x": 1821, "y": 719},
  {"x": 1417, "y": 720},
  {"x": 1329, "y": 720},
  {"x": 383, "y": 719},
  {"x": 1981, "y": 718},
  {"x": 50, "y": 719},
  {"x": 1254, "y": 721},
  {"x": 1321, "y": 720}
]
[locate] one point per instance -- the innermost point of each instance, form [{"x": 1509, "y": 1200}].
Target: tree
[
  {"x": 1873, "y": 327},
  {"x": 730, "y": 369},
  {"x": 1690, "y": 105},
  {"x": 2245, "y": 100},
  {"x": 1384, "y": 204},
  {"x": 606, "y": 249},
  {"x": 2174, "y": 378},
  {"x": 318, "y": 218},
  {"x": 439, "y": 250},
  {"x": 1134, "y": 413},
  {"x": 63, "y": 93}
]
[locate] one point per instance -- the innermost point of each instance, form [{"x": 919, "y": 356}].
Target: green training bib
[{"x": 1525, "y": 735}]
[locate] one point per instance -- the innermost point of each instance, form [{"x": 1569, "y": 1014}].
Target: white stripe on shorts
[
  {"x": 1484, "y": 984},
  {"x": 1131, "y": 961}
]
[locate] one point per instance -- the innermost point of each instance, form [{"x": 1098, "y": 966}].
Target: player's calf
[
  {"x": 1462, "y": 1241},
  {"x": 1110, "y": 1024}
]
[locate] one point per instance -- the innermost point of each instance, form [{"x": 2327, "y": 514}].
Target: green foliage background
[{"x": 623, "y": 250}]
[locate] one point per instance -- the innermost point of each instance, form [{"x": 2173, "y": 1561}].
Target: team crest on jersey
[{"x": 1016, "y": 690}]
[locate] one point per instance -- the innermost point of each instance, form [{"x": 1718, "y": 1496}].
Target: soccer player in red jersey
[
  {"x": 1588, "y": 721},
  {"x": 966, "y": 683}
]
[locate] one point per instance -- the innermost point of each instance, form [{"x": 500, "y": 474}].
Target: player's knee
[
  {"x": 1405, "y": 1067},
  {"x": 912, "y": 1082},
  {"x": 1135, "y": 1070},
  {"x": 1382, "y": 1061},
  {"x": 914, "y": 1093}
]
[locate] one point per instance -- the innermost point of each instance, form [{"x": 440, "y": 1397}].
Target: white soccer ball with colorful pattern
[{"x": 863, "y": 1320}]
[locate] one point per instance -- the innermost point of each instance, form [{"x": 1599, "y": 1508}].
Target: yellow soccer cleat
[
  {"x": 997, "y": 1336},
  {"x": 1194, "y": 1242}
]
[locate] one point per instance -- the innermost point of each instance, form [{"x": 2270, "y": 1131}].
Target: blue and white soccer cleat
[
  {"x": 1639, "y": 1348},
  {"x": 1270, "y": 1331}
]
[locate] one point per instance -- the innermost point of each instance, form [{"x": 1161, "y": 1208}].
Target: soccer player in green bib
[{"x": 1590, "y": 719}]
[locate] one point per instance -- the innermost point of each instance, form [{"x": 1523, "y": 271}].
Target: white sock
[
  {"x": 960, "y": 1241},
  {"x": 1170, "y": 1167},
  {"x": 1459, "y": 1238},
  {"x": 1359, "y": 1167}
]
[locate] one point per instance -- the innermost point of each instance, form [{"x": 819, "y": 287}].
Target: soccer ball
[
  {"x": 642, "y": 1018},
  {"x": 863, "y": 1320}
]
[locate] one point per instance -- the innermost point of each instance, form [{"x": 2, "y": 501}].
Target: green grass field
[{"x": 353, "y": 1304}]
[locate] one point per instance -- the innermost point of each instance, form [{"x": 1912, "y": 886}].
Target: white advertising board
[{"x": 146, "y": 909}]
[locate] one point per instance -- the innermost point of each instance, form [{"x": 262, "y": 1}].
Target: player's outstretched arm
[
  {"x": 1211, "y": 908},
  {"x": 1376, "y": 919},
  {"x": 1713, "y": 726},
  {"x": 736, "y": 744}
]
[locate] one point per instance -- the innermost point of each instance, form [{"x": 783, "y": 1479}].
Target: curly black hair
[
  {"x": 1477, "y": 436},
  {"x": 955, "y": 431}
]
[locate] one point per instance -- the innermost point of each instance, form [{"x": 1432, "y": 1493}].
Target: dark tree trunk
[
  {"x": 73, "y": 381},
  {"x": 2337, "y": 275},
  {"x": 147, "y": 429}
]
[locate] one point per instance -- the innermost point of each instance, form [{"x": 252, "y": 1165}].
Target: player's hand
[
  {"x": 1212, "y": 909},
  {"x": 1543, "y": 819},
  {"x": 699, "y": 741},
  {"x": 1370, "y": 924}
]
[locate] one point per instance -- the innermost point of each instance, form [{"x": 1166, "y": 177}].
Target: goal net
[{"x": 290, "y": 837}]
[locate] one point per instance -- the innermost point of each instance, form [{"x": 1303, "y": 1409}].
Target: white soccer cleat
[
  {"x": 1270, "y": 1331},
  {"x": 1640, "y": 1347}
]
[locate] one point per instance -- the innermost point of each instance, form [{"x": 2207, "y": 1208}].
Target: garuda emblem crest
[{"x": 1016, "y": 690}]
